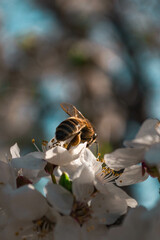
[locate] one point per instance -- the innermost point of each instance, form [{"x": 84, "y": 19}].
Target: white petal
[
  {"x": 148, "y": 128},
  {"x": 89, "y": 156},
  {"x": 4, "y": 218},
  {"x": 91, "y": 160},
  {"x": 61, "y": 156},
  {"x": 146, "y": 136},
  {"x": 22, "y": 202},
  {"x": 58, "y": 156},
  {"x": 15, "y": 151},
  {"x": 27, "y": 203},
  {"x": 135, "y": 219},
  {"x": 76, "y": 151},
  {"x": 72, "y": 168},
  {"x": 67, "y": 228},
  {"x": 59, "y": 197},
  {"x": 157, "y": 127},
  {"x": 15, "y": 230},
  {"x": 131, "y": 202},
  {"x": 124, "y": 157},
  {"x": 152, "y": 156},
  {"x": 7, "y": 174},
  {"x": 91, "y": 230},
  {"x": 131, "y": 175},
  {"x": 83, "y": 186},
  {"x": 111, "y": 189},
  {"x": 108, "y": 208},
  {"x": 33, "y": 161},
  {"x": 30, "y": 174}
]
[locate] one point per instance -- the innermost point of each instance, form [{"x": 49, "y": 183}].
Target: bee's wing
[{"x": 71, "y": 110}]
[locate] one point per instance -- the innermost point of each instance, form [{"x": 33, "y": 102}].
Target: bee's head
[
  {"x": 92, "y": 140},
  {"x": 94, "y": 137}
]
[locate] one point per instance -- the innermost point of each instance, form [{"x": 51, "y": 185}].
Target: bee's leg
[{"x": 75, "y": 141}]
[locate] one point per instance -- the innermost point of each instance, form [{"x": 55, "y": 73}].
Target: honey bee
[{"x": 76, "y": 127}]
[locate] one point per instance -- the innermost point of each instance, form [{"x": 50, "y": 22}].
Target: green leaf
[{"x": 65, "y": 182}]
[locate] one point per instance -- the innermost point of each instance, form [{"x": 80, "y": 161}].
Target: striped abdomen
[{"x": 68, "y": 128}]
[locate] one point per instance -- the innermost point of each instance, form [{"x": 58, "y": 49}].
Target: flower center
[
  {"x": 43, "y": 226},
  {"x": 81, "y": 212},
  {"x": 107, "y": 174}
]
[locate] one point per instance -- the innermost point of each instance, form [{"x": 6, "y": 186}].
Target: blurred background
[{"x": 101, "y": 56}]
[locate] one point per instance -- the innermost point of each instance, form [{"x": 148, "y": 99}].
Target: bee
[{"x": 76, "y": 127}]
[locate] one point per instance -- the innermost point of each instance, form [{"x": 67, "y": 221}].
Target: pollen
[
  {"x": 33, "y": 140},
  {"x": 81, "y": 212},
  {"x": 39, "y": 222},
  {"x": 16, "y": 233},
  {"x": 90, "y": 228},
  {"x": 65, "y": 145},
  {"x": 43, "y": 143}
]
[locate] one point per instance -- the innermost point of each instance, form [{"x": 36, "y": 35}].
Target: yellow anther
[
  {"x": 33, "y": 140},
  {"x": 90, "y": 228},
  {"x": 65, "y": 145},
  {"x": 16, "y": 233},
  {"x": 43, "y": 143},
  {"x": 39, "y": 222}
]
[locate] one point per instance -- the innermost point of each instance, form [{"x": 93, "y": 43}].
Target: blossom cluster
[{"x": 83, "y": 198}]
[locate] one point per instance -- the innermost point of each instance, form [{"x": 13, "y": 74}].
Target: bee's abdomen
[{"x": 66, "y": 129}]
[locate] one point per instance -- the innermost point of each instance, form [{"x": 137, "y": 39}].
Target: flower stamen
[
  {"x": 33, "y": 141},
  {"x": 81, "y": 212},
  {"x": 43, "y": 226}
]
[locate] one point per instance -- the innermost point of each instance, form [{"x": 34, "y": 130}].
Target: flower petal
[
  {"x": 15, "y": 151},
  {"x": 15, "y": 230},
  {"x": 7, "y": 174},
  {"x": 131, "y": 175},
  {"x": 108, "y": 208},
  {"x": 111, "y": 189},
  {"x": 92, "y": 230},
  {"x": 83, "y": 186},
  {"x": 76, "y": 151},
  {"x": 61, "y": 156},
  {"x": 59, "y": 197},
  {"x": 152, "y": 156},
  {"x": 67, "y": 228},
  {"x": 58, "y": 156},
  {"x": 32, "y": 161},
  {"x": 146, "y": 136},
  {"x": 124, "y": 157},
  {"x": 22, "y": 202},
  {"x": 135, "y": 219},
  {"x": 72, "y": 168}
]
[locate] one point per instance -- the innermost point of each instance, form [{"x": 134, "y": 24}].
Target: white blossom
[
  {"x": 27, "y": 213},
  {"x": 68, "y": 228},
  {"x": 7, "y": 174},
  {"x": 152, "y": 156},
  {"x": 139, "y": 224},
  {"x": 146, "y": 136},
  {"x": 60, "y": 198}
]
